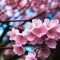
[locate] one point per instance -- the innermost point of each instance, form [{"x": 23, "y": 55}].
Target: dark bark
[{"x": 57, "y": 52}]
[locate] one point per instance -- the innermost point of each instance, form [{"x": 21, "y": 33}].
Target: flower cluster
[
  {"x": 37, "y": 32},
  {"x": 42, "y": 54}
]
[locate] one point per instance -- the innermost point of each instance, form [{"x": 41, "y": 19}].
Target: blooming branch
[{"x": 46, "y": 34}]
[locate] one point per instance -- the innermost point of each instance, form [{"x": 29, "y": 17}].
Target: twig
[{"x": 23, "y": 20}]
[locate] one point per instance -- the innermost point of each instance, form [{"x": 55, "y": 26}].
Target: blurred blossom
[
  {"x": 8, "y": 51},
  {"x": 57, "y": 16},
  {"x": 54, "y": 4},
  {"x": 14, "y": 9}
]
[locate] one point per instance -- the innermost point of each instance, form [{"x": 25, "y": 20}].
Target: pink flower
[
  {"x": 38, "y": 40},
  {"x": 52, "y": 33},
  {"x": 31, "y": 56},
  {"x": 36, "y": 23},
  {"x": 29, "y": 27},
  {"x": 34, "y": 41},
  {"x": 28, "y": 35},
  {"x": 39, "y": 31},
  {"x": 12, "y": 33},
  {"x": 41, "y": 39},
  {"x": 57, "y": 37},
  {"x": 8, "y": 52},
  {"x": 54, "y": 4},
  {"x": 19, "y": 39},
  {"x": 46, "y": 23},
  {"x": 44, "y": 52},
  {"x": 58, "y": 28},
  {"x": 50, "y": 24},
  {"x": 51, "y": 43},
  {"x": 25, "y": 32},
  {"x": 19, "y": 50}
]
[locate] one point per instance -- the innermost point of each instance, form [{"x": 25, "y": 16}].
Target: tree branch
[{"x": 23, "y": 20}]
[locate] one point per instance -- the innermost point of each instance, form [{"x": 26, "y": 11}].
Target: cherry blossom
[
  {"x": 12, "y": 33},
  {"x": 50, "y": 24},
  {"x": 31, "y": 56},
  {"x": 39, "y": 31},
  {"x": 29, "y": 27},
  {"x": 36, "y": 23},
  {"x": 38, "y": 40},
  {"x": 58, "y": 28},
  {"x": 44, "y": 52},
  {"x": 28, "y": 35},
  {"x": 20, "y": 40},
  {"x": 19, "y": 50},
  {"x": 45, "y": 34},
  {"x": 52, "y": 33},
  {"x": 51, "y": 43}
]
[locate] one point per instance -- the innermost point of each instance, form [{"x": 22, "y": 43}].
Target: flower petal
[
  {"x": 39, "y": 31},
  {"x": 52, "y": 33},
  {"x": 51, "y": 43},
  {"x": 18, "y": 49},
  {"x": 30, "y": 36},
  {"x": 36, "y": 23},
  {"x": 20, "y": 40},
  {"x": 44, "y": 52}
]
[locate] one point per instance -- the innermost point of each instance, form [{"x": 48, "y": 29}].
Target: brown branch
[{"x": 23, "y": 20}]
